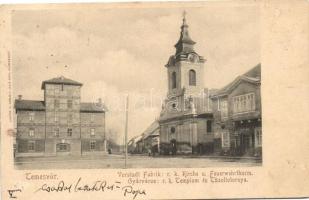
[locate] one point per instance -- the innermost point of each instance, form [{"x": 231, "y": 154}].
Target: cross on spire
[
  {"x": 185, "y": 43},
  {"x": 184, "y": 13}
]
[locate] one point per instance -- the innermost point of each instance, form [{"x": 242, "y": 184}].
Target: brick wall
[
  {"x": 94, "y": 121},
  {"x": 51, "y": 127}
]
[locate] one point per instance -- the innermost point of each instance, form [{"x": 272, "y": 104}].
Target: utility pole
[{"x": 126, "y": 132}]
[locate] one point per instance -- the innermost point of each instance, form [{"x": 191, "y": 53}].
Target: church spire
[
  {"x": 184, "y": 18},
  {"x": 185, "y": 43}
]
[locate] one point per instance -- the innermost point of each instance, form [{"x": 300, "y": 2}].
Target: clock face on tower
[{"x": 193, "y": 58}]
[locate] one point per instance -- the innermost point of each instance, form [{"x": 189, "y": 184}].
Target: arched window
[
  {"x": 173, "y": 80},
  {"x": 192, "y": 77}
]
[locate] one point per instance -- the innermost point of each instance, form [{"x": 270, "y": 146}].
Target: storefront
[{"x": 247, "y": 137}]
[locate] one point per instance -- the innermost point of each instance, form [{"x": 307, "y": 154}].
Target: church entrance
[{"x": 173, "y": 146}]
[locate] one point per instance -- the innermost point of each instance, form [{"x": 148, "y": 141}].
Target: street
[{"x": 134, "y": 161}]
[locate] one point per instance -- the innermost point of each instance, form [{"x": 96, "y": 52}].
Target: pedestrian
[{"x": 149, "y": 152}]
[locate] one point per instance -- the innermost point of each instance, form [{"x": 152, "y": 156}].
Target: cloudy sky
[{"x": 114, "y": 51}]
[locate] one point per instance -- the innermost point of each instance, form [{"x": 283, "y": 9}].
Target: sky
[{"x": 119, "y": 51}]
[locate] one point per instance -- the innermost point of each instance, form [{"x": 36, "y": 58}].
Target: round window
[{"x": 173, "y": 130}]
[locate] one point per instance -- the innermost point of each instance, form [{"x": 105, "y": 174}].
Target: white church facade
[
  {"x": 186, "y": 119},
  {"x": 198, "y": 120}
]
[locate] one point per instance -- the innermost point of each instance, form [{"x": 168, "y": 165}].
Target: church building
[
  {"x": 186, "y": 120},
  {"x": 197, "y": 120}
]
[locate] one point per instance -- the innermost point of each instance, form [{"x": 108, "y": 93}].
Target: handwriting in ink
[
  {"x": 129, "y": 190},
  {"x": 11, "y": 193},
  {"x": 97, "y": 186}
]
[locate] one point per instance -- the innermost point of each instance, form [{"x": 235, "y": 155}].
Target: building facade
[
  {"x": 197, "y": 120},
  {"x": 186, "y": 119},
  {"x": 238, "y": 115},
  {"x": 60, "y": 124}
]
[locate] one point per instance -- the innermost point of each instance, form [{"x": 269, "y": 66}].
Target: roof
[
  {"x": 252, "y": 76},
  {"x": 132, "y": 140},
  {"x": 138, "y": 138},
  {"x": 61, "y": 80},
  {"x": 184, "y": 39},
  {"x": 29, "y": 105},
  {"x": 254, "y": 72},
  {"x": 150, "y": 131},
  {"x": 92, "y": 107},
  {"x": 33, "y": 105}
]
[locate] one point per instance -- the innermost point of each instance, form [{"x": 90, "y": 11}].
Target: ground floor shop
[
  {"x": 239, "y": 138},
  {"x": 59, "y": 147}
]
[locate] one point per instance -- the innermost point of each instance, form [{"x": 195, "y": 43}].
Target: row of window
[
  {"x": 64, "y": 147},
  {"x": 67, "y": 92},
  {"x": 69, "y": 103},
  {"x": 225, "y": 138},
  {"x": 61, "y": 147},
  {"x": 241, "y": 103},
  {"x": 192, "y": 78},
  {"x": 56, "y": 119},
  {"x": 57, "y": 132},
  {"x": 244, "y": 103}
]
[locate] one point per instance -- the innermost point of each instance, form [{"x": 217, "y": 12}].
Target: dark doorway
[
  {"x": 245, "y": 143},
  {"x": 173, "y": 146},
  {"x": 217, "y": 145}
]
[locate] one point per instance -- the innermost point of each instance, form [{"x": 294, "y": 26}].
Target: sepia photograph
[
  {"x": 154, "y": 100},
  {"x": 150, "y": 87}
]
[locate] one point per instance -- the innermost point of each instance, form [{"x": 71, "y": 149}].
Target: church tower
[
  {"x": 185, "y": 121},
  {"x": 184, "y": 71}
]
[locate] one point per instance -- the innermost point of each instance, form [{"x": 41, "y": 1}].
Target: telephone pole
[{"x": 126, "y": 132}]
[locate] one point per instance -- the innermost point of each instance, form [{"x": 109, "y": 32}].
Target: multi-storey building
[
  {"x": 237, "y": 113},
  {"x": 60, "y": 124},
  {"x": 186, "y": 119}
]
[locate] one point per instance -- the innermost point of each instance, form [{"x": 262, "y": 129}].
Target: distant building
[
  {"x": 60, "y": 124},
  {"x": 148, "y": 141},
  {"x": 238, "y": 115},
  {"x": 186, "y": 121},
  {"x": 151, "y": 138},
  {"x": 132, "y": 144}
]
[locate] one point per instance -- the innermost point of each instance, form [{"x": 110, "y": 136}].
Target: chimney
[{"x": 20, "y": 97}]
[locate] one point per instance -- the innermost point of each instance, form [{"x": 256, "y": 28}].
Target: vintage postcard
[{"x": 175, "y": 100}]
